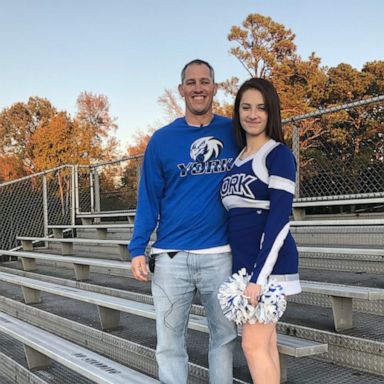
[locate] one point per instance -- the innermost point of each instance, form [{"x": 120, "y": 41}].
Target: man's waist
[{"x": 210, "y": 250}]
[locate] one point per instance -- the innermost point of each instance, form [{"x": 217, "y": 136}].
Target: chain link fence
[
  {"x": 340, "y": 151},
  {"x": 109, "y": 186},
  {"x": 30, "y": 204}
]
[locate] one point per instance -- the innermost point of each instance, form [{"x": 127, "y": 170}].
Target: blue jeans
[{"x": 174, "y": 285}]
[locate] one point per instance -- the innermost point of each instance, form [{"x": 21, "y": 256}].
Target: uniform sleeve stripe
[
  {"x": 242, "y": 202},
  {"x": 277, "y": 182},
  {"x": 272, "y": 256}
]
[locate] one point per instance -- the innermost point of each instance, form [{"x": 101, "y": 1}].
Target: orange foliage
[
  {"x": 140, "y": 142},
  {"x": 11, "y": 168}
]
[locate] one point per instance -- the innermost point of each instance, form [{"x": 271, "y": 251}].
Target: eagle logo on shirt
[
  {"x": 205, "y": 149},
  {"x": 204, "y": 153}
]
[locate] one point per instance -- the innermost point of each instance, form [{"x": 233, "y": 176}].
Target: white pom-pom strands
[{"x": 270, "y": 308}]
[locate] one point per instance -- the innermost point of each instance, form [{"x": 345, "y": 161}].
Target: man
[{"x": 183, "y": 167}]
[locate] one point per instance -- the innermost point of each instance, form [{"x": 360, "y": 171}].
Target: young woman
[{"x": 258, "y": 194}]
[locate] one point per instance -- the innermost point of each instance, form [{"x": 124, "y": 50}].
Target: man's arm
[{"x": 148, "y": 207}]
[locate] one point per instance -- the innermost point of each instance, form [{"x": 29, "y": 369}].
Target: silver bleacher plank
[
  {"x": 92, "y": 226},
  {"x": 70, "y": 259},
  {"x": 196, "y": 322},
  {"x": 74, "y": 240},
  {"x": 85, "y": 362},
  {"x": 344, "y": 251},
  {"x": 336, "y": 222},
  {"x": 342, "y": 290},
  {"x": 67, "y": 244}
]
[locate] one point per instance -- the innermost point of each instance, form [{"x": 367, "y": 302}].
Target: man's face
[{"x": 198, "y": 90}]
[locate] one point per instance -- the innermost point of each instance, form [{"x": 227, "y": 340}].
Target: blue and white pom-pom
[{"x": 234, "y": 303}]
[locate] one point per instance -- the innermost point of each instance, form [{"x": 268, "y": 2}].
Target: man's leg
[
  {"x": 173, "y": 291},
  {"x": 214, "y": 270}
]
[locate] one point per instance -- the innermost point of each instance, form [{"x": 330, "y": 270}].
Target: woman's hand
[{"x": 252, "y": 293}]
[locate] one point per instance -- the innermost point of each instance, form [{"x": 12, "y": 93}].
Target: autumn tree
[
  {"x": 54, "y": 143},
  {"x": 375, "y": 71},
  {"x": 11, "y": 167},
  {"x": 354, "y": 135},
  {"x": 375, "y": 114},
  {"x": 95, "y": 125},
  {"x": 267, "y": 49},
  {"x": 261, "y": 45},
  {"x": 171, "y": 101},
  {"x": 346, "y": 84},
  {"x": 17, "y": 125},
  {"x": 132, "y": 166}
]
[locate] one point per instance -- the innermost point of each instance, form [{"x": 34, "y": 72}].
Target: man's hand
[{"x": 139, "y": 268}]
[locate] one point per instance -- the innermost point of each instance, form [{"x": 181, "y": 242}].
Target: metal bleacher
[
  {"x": 71, "y": 313},
  {"x": 308, "y": 337}
]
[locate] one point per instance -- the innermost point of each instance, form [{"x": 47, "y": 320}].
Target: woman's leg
[
  {"x": 259, "y": 346},
  {"x": 275, "y": 352}
]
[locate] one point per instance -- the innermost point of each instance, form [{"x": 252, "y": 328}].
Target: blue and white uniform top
[{"x": 258, "y": 193}]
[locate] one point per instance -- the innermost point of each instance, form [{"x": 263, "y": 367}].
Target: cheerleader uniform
[{"x": 258, "y": 193}]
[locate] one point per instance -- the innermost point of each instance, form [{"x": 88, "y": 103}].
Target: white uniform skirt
[{"x": 290, "y": 283}]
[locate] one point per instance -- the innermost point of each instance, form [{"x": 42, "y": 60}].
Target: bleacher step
[
  {"x": 41, "y": 346},
  {"x": 117, "y": 343}
]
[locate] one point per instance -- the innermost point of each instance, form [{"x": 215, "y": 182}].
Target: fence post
[
  {"x": 296, "y": 152},
  {"x": 298, "y": 213},
  {"x": 96, "y": 190},
  {"x": 73, "y": 194},
  {"x": 138, "y": 175},
  {"x": 91, "y": 189},
  {"x": 77, "y": 192},
  {"x": 45, "y": 205}
]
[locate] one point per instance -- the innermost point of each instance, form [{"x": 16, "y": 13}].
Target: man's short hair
[{"x": 199, "y": 62}]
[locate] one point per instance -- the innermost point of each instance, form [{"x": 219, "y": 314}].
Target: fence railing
[{"x": 339, "y": 150}]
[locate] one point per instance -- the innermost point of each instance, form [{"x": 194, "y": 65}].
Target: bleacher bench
[
  {"x": 101, "y": 229},
  {"x": 300, "y": 204},
  {"x": 326, "y": 201},
  {"x": 340, "y": 295},
  {"x": 337, "y": 223},
  {"x": 89, "y": 218},
  {"x": 340, "y": 251},
  {"x": 81, "y": 264},
  {"x": 109, "y": 308},
  {"x": 67, "y": 244},
  {"x": 41, "y": 347}
]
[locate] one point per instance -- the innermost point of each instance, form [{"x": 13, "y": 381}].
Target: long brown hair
[{"x": 272, "y": 104}]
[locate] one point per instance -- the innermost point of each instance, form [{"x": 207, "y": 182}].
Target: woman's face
[{"x": 253, "y": 114}]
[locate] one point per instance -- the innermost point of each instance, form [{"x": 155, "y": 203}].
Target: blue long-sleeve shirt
[{"x": 179, "y": 187}]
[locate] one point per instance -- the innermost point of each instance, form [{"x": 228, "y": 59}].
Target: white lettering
[{"x": 238, "y": 185}]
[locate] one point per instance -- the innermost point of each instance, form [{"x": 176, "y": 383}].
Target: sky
[{"x": 132, "y": 50}]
